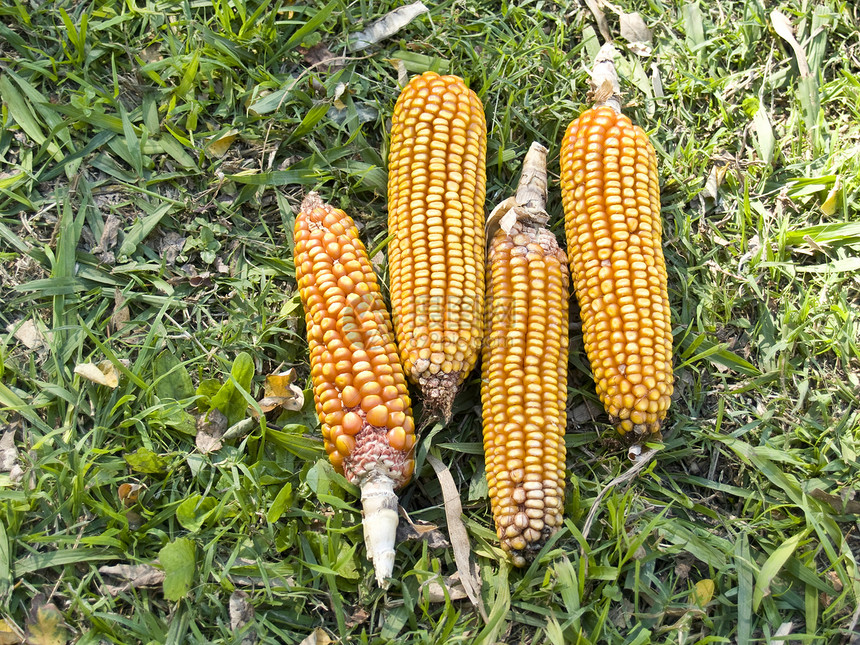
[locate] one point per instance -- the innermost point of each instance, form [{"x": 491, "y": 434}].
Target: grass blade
[
  {"x": 773, "y": 565},
  {"x": 744, "y": 565}
]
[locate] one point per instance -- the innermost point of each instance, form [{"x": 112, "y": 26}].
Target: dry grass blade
[
  {"x": 457, "y": 533},
  {"x": 782, "y": 26},
  {"x": 386, "y": 26},
  {"x": 600, "y": 19},
  {"x": 639, "y": 464}
]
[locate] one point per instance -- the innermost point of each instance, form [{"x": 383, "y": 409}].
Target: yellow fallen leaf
[
  {"x": 279, "y": 384},
  {"x": 281, "y": 392},
  {"x": 9, "y": 633},
  {"x": 828, "y": 206},
  {"x": 703, "y": 592},
  {"x": 317, "y": 637},
  {"x": 340, "y": 90},
  {"x": 105, "y": 373},
  {"x": 219, "y": 145},
  {"x": 47, "y": 626}
]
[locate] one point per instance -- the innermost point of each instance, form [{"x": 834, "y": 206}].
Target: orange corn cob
[
  {"x": 611, "y": 199},
  {"x": 359, "y": 386},
  {"x": 436, "y": 188},
  {"x": 524, "y": 368}
]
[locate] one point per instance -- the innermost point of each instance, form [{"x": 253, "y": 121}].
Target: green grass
[{"x": 128, "y": 236}]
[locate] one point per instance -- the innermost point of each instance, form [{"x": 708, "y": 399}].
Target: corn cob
[
  {"x": 359, "y": 387},
  {"x": 611, "y": 202},
  {"x": 524, "y": 367},
  {"x": 436, "y": 189}
]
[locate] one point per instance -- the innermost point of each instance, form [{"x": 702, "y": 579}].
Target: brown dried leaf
[
  {"x": 603, "y": 93},
  {"x": 128, "y": 493},
  {"x": 104, "y": 250},
  {"x": 711, "y": 191},
  {"x": 634, "y": 29},
  {"x": 783, "y": 630},
  {"x": 843, "y": 505},
  {"x": 120, "y": 315},
  {"x": 207, "y": 443},
  {"x": 600, "y": 19},
  {"x": 210, "y": 430},
  {"x": 358, "y": 616},
  {"x": 8, "y": 451},
  {"x": 503, "y": 217},
  {"x": 200, "y": 280},
  {"x": 834, "y": 580},
  {"x": 151, "y": 54},
  {"x": 319, "y": 55},
  {"x": 9, "y": 456},
  {"x": 135, "y": 520},
  {"x": 469, "y": 577},
  {"x": 402, "y": 72},
  {"x": 782, "y": 26},
  {"x": 640, "y": 49},
  {"x": 29, "y": 335},
  {"x": 387, "y": 26},
  {"x": 585, "y": 412},
  {"x": 421, "y": 530},
  {"x": 339, "y": 90},
  {"x": 656, "y": 81},
  {"x": 170, "y": 246},
  {"x": 242, "y": 613},
  {"x": 132, "y": 576},
  {"x": 435, "y": 592}
]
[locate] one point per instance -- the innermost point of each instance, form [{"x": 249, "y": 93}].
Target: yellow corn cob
[
  {"x": 436, "y": 189},
  {"x": 611, "y": 202},
  {"x": 524, "y": 368},
  {"x": 359, "y": 386}
]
